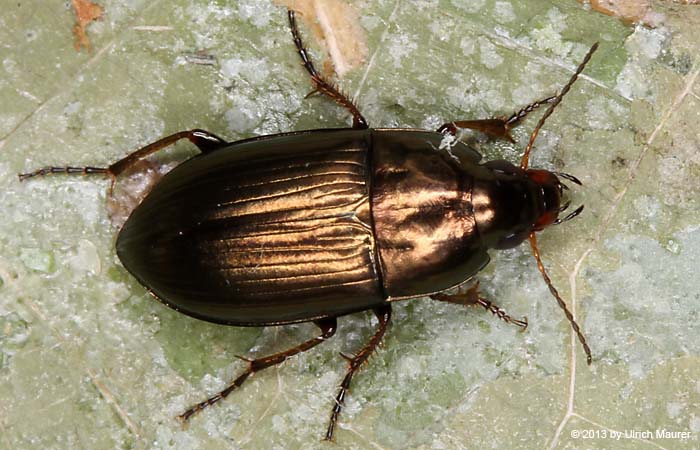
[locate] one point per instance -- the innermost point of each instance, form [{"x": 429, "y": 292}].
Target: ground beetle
[{"x": 313, "y": 225}]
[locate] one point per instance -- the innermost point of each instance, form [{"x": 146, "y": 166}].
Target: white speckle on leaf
[
  {"x": 469, "y": 5},
  {"x": 37, "y": 259},
  {"x": 400, "y": 47},
  {"x": 244, "y": 116},
  {"x": 86, "y": 258},
  {"x": 256, "y": 12},
  {"x": 646, "y": 42},
  {"x": 408, "y": 367},
  {"x": 494, "y": 99},
  {"x": 673, "y": 409},
  {"x": 548, "y": 38},
  {"x": 644, "y": 46},
  {"x": 504, "y": 12},
  {"x": 602, "y": 112},
  {"x": 631, "y": 82},
  {"x": 526, "y": 93},
  {"x": 673, "y": 246},
  {"x": 253, "y": 70},
  {"x": 694, "y": 424},
  {"x": 669, "y": 168},
  {"x": 72, "y": 108},
  {"x": 489, "y": 54},
  {"x": 432, "y": 122},
  {"x": 10, "y": 65},
  {"x": 557, "y": 19},
  {"x": 647, "y": 207},
  {"x": 279, "y": 424},
  {"x": 467, "y": 45}
]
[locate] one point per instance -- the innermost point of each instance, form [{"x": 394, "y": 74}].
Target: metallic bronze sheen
[
  {"x": 422, "y": 208},
  {"x": 266, "y": 231},
  {"x": 308, "y": 225}
]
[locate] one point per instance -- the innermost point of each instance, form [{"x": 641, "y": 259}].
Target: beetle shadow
[
  {"x": 192, "y": 348},
  {"x": 132, "y": 186}
]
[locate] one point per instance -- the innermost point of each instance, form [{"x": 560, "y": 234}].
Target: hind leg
[
  {"x": 204, "y": 140},
  {"x": 327, "y": 326},
  {"x": 383, "y": 314}
]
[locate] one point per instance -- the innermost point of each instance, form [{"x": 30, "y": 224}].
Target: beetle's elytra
[{"x": 313, "y": 225}]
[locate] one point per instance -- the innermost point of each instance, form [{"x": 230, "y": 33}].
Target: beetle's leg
[
  {"x": 321, "y": 85},
  {"x": 327, "y": 326},
  {"x": 383, "y": 314},
  {"x": 499, "y": 127},
  {"x": 472, "y": 297},
  {"x": 204, "y": 140}
]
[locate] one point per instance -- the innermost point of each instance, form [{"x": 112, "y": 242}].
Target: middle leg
[{"x": 321, "y": 85}]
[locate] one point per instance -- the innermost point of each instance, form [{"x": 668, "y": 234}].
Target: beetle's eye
[
  {"x": 501, "y": 165},
  {"x": 512, "y": 240}
]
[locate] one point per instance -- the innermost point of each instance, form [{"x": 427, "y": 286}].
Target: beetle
[{"x": 312, "y": 225}]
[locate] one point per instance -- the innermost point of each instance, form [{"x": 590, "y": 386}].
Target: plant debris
[
  {"x": 629, "y": 11},
  {"x": 336, "y": 26},
  {"x": 85, "y": 12}
]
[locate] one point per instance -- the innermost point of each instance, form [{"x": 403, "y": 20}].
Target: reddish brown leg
[
  {"x": 499, "y": 127},
  {"x": 321, "y": 85},
  {"x": 383, "y": 313},
  {"x": 472, "y": 297},
  {"x": 327, "y": 326},
  {"x": 204, "y": 140}
]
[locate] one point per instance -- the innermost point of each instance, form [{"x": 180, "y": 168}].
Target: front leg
[
  {"x": 499, "y": 127},
  {"x": 472, "y": 297}
]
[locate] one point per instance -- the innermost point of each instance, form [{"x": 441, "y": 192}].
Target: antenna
[
  {"x": 562, "y": 304},
  {"x": 553, "y": 104},
  {"x": 524, "y": 162}
]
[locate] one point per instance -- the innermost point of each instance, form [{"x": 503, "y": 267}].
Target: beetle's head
[
  {"x": 519, "y": 202},
  {"x": 551, "y": 195},
  {"x": 513, "y": 204}
]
